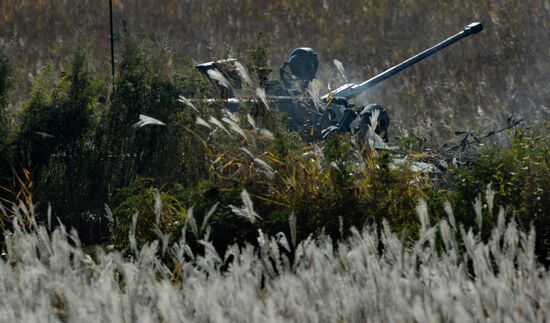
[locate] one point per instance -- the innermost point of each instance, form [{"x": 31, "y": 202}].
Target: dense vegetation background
[{"x": 68, "y": 140}]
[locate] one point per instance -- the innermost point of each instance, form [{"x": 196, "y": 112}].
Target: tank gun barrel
[{"x": 352, "y": 90}]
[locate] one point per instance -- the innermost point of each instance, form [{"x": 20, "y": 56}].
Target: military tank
[{"x": 337, "y": 113}]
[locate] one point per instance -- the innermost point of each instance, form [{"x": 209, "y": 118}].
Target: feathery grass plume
[
  {"x": 251, "y": 121},
  {"x": 218, "y": 76},
  {"x": 190, "y": 220},
  {"x": 260, "y": 93},
  {"x": 163, "y": 237},
  {"x": 478, "y": 210},
  {"x": 110, "y": 220},
  {"x": 211, "y": 259},
  {"x": 28, "y": 215},
  {"x": 268, "y": 134},
  {"x": 231, "y": 115},
  {"x": 422, "y": 212},
  {"x": 202, "y": 122},
  {"x": 340, "y": 68},
  {"x": 188, "y": 103},
  {"x": 3, "y": 210},
  {"x": 374, "y": 121},
  {"x": 500, "y": 221},
  {"x": 490, "y": 197},
  {"x": 132, "y": 234},
  {"x": 374, "y": 140},
  {"x": 235, "y": 127},
  {"x": 426, "y": 233},
  {"x": 49, "y": 216},
  {"x": 314, "y": 90},
  {"x": 147, "y": 121},
  {"x": 218, "y": 124},
  {"x": 283, "y": 241},
  {"x": 267, "y": 169},
  {"x": 450, "y": 214},
  {"x": 247, "y": 151},
  {"x": 43, "y": 134},
  {"x": 241, "y": 70},
  {"x": 210, "y": 212},
  {"x": 446, "y": 234},
  {"x": 292, "y": 226},
  {"x": 247, "y": 210},
  {"x": 264, "y": 132},
  {"x": 158, "y": 207}
]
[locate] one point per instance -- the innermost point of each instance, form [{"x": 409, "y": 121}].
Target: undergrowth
[{"x": 80, "y": 147}]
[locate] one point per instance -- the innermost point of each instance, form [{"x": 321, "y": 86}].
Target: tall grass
[{"x": 371, "y": 276}]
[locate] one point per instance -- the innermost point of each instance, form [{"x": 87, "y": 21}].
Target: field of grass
[
  {"x": 371, "y": 276},
  {"x": 174, "y": 202}
]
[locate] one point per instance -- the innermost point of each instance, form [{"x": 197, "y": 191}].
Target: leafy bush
[
  {"x": 155, "y": 213},
  {"x": 285, "y": 175},
  {"x": 54, "y": 137},
  {"x": 517, "y": 175},
  {"x": 145, "y": 85}
]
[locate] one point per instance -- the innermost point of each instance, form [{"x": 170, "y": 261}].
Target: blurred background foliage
[
  {"x": 470, "y": 85},
  {"x": 70, "y": 134}
]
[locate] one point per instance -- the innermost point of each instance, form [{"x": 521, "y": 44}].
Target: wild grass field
[
  {"x": 370, "y": 276},
  {"x": 137, "y": 199}
]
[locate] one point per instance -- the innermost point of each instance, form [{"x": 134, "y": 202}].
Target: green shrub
[
  {"x": 329, "y": 189},
  {"x": 146, "y": 85},
  {"x": 518, "y": 175},
  {"x": 55, "y": 137},
  {"x": 141, "y": 200}
]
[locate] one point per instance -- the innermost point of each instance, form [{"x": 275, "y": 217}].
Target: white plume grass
[
  {"x": 260, "y": 93},
  {"x": 251, "y": 121},
  {"x": 371, "y": 276},
  {"x": 340, "y": 69},
  {"x": 247, "y": 209},
  {"x": 147, "y": 121},
  {"x": 214, "y": 74},
  {"x": 202, "y": 122},
  {"x": 208, "y": 214},
  {"x": 235, "y": 127},
  {"x": 314, "y": 90},
  {"x": 218, "y": 124},
  {"x": 243, "y": 73},
  {"x": 266, "y": 168},
  {"x": 188, "y": 103}
]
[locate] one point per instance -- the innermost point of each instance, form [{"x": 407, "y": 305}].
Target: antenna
[{"x": 112, "y": 43}]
